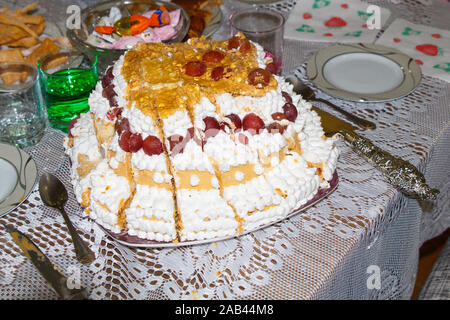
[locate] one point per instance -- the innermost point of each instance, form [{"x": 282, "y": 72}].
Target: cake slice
[
  {"x": 237, "y": 164},
  {"x": 203, "y": 213},
  {"x": 81, "y": 145},
  {"x": 106, "y": 103},
  {"x": 109, "y": 195},
  {"x": 151, "y": 213},
  {"x": 99, "y": 189},
  {"x": 278, "y": 146},
  {"x": 317, "y": 150}
]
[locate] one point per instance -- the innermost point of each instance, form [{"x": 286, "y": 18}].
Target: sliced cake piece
[
  {"x": 99, "y": 189},
  {"x": 279, "y": 148},
  {"x": 107, "y": 101},
  {"x": 237, "y": 163},
  {"x": 317, "y": 150},
  {"x": 108, "y": 197},
  {"x": 100, "y": 110},
  {"x": 203, "y": 213},
  {"x": 82, "y": 147},
  {"x": 151, "y": 213}
]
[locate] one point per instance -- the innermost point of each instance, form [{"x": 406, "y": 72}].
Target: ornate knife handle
[{"x": 399, "y": 173}]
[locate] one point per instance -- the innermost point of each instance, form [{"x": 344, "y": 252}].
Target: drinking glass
[
  {"x": 22, "y": 113},
  {"x": 262, "y": 26},
  {"x": 67, "y": 78}
]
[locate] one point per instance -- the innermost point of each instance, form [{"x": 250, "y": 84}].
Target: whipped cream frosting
[{"x": 150, "y": 214}]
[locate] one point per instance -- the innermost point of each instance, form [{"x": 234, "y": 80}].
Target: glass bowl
[{"x": 91, "y": 16}]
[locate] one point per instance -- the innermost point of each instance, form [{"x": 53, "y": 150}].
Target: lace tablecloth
[{"x": 361, "y": 242}]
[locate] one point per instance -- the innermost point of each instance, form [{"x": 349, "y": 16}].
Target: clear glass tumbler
[
  {"x": 262, "y": 26},
  {"x": 22, "y": 112}
]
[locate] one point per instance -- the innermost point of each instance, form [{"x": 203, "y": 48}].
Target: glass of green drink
[{"x": 67, "y": 77}]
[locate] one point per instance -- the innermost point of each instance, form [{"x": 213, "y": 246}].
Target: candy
[
  {"x": 286, "y": 96},
  {"x": 242, "y": 45},
  {"x": 176, "y": 143},
  {"x": 160, "y": 17},
  {"x": 139, "y": 24},
  {"x": 278, "y": 116},
  {"x": 122, "y": 125},
  {"x": 135, "y": 142},
  {"x": 275, "y": 127},
  {"x": 104, "y": 29}
]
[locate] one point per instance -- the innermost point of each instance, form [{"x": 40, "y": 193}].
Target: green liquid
[{"x": 66, "y": 95}]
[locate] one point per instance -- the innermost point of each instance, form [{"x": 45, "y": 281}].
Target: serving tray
[{"x": 133, "y": 241}]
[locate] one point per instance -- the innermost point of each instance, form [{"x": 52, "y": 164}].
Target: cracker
[
  {"x": 29, "y": 19},
  {"x": 12, "y": 55},
  {"x": 6, "y": 19},
  {"x": 39, "y": 28},
  {"x": 46, "y": 46},
  {"x": 9, "y": 33},
  {"x": 27, "y": 8},
  {"x": 26, "y": 42}
]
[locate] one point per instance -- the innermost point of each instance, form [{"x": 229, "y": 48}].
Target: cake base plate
[{"x": 133, "y": 241}]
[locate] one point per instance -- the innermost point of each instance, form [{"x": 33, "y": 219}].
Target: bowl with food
[{"x": 110, "y": 28}]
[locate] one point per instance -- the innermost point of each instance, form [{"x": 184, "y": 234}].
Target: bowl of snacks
[{"x": 112, "y": 27}]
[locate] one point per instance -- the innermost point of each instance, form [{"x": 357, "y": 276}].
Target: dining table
[{"x": 361, "y": 242}]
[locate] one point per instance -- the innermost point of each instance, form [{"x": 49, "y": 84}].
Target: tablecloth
[{"x": 361, "y": 242}]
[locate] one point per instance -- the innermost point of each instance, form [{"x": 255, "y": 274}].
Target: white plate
[
  {"x": 18, "y": 172},
  {"x": 363, "y": 72}
]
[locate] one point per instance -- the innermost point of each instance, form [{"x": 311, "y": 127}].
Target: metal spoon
[
  {"x": 309, "y": 95},
  {"x": 54, "y": 194}
]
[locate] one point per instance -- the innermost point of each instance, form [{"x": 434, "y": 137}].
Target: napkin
[
  {"x": 334, "y": 21},
  {"x": 430, "y": 47}
]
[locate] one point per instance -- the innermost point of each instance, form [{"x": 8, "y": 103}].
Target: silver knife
[{"x": 45, "y": 267}]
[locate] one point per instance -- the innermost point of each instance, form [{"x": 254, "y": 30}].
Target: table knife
[
  {"x": 398, "y": 172},
  {"x": 45, "y": 267}
]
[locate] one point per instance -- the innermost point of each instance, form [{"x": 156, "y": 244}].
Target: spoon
[
  {"x": 54, "y": 194},
  {"x": 309, "y": 95}
]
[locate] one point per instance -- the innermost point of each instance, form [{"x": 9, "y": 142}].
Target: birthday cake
[{"x": 196, "y": 140}]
